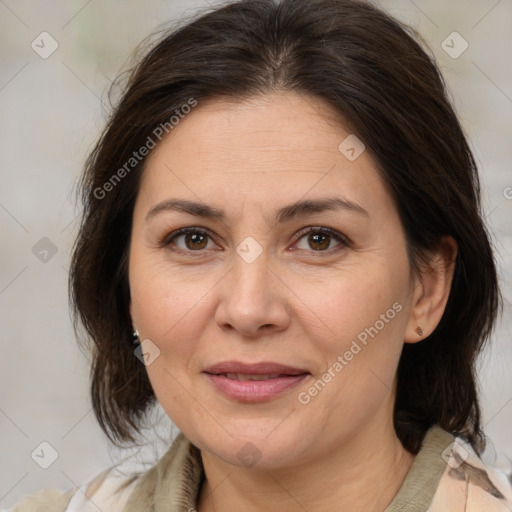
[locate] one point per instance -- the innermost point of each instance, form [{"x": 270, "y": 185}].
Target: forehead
[
  {"x": 260, "y": 150},
  {"x": 226, "y": 130}
]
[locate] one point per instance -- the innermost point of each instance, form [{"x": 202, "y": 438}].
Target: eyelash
[{"x": 343, "y": 241}]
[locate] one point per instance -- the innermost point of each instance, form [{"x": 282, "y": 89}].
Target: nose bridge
[
  {"x": 250, "y": 265},
  {"x": 250, "y": 276},
  {"x": 250, "y": 287},
  {"x": 251, "y": 298}
]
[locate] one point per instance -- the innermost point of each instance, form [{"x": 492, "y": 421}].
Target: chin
[{"x": 254, "y": 447}]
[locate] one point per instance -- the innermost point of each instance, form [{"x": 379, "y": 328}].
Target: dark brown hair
[{"x": 380, "y": 80}]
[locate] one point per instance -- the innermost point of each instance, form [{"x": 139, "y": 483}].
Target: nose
[{"x": 253, "y": 300}]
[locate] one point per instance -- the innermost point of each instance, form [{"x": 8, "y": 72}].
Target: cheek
[
  {"x": 171, "y": 314},
  {"x": 366, "y": 321},
  {"x": 168, "y": 308},
  {"x": 351, "y": 300},
  {"x": 161, "y": 295},
  {"x": 364, "y": 316}
]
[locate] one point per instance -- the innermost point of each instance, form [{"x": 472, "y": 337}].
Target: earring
[
  {"x": 136, "y": 340},
  {"x": 419, "y": 330}
]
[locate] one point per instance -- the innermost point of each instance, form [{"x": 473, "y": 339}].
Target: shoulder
[
  {"x": 108, "y": 492},
  {"x": 120, "y": 488},
  {"x": 468, "y": 480},
  {"x": 46, "y": 500}
]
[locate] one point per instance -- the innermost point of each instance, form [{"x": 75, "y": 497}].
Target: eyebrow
[{"x": 286, "y": 213}]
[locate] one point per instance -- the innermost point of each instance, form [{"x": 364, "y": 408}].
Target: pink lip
[{"x": 254, "y": 390}]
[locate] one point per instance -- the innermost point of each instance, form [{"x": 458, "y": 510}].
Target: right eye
[{"x": 188, "y": 240}]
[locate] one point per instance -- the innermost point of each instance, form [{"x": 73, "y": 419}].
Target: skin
[{"x": 301, "y": 303}]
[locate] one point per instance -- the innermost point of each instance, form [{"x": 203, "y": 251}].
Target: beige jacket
[{"x": 446, "y": 476}]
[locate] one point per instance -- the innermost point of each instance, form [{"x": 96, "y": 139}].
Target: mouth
[{"x": 254, "y": 382}]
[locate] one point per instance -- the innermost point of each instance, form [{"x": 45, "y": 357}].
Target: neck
[{"x": 362, "y": 475}]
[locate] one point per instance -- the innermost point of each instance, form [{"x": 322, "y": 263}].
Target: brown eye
[
  {"x": 188, "y": 239},
  {"x": 320, "y": 240},
  {"x": 194, "y": 241}
]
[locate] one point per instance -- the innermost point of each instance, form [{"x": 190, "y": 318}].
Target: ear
[{"x": 431, "y": 290}]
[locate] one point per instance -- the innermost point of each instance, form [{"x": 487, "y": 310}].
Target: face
[{"x": 257, "y": 241}]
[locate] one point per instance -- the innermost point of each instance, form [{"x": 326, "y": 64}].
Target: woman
[{"x": 282, "y": 245}]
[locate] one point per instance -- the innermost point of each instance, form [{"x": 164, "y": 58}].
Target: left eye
[{"x": 319, "y": 239}]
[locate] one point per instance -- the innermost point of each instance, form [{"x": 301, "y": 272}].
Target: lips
[{"x": 254, "y": 382}]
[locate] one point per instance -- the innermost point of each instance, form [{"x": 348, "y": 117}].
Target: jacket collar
[{"x": 174, "y": 483}]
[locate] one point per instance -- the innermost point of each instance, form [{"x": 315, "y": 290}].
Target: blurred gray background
[{"x": 51, "y": 111}]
